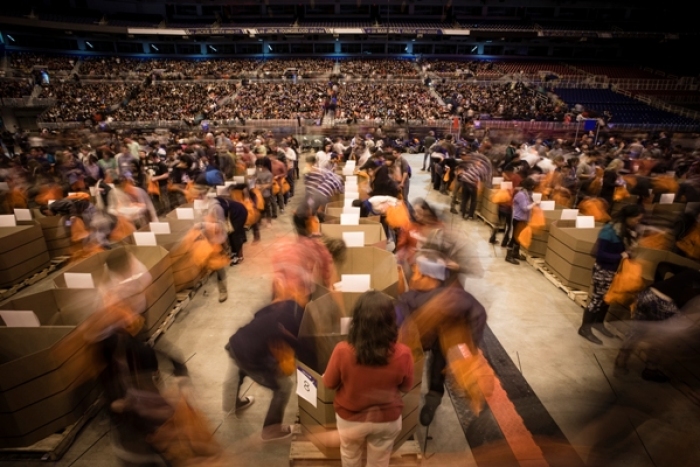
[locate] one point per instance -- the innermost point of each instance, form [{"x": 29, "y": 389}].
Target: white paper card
[
  {"x": 346, "y": 219},
  {"x": 355, "y": 283},
  {"x": 238, "y": 179},
  {"x": 350, "y": 164},
  {"x": 4, "y": 186},
  {"x": 352, "y": 195},
  {"x": 23, "y": 214},
  {"x": 537, "y": 197},
  {"x": 497, "y": 180},
  {"x": 93, "y": 191},
  {"x": 72, "y": 193},
  {"x": 307, "y": 387},
  {"x": 547, "y": 205},
  {"x": 250, "y": 171},
  {"x": 585, "y": 222},
  {"x": 354, "y": 239},
  {"x": 229, "y": 182},
  {"x": 8, "y": 220},
  {"x": 79, "y": 280},
  {"x": 348, "y": 171},
  {"x": 20, "y": 319},
  {"x": 345, "y": 325},
  {"x": 351, "y": 186},
  {"x": 351, "y": 180},
  {"x": 667, "y": 198},
  {"x": 351, "y": 210},
  {"x": 221, "y": 190},
  {"x": 348, "y": 203},
  {"x": 185, "y": 213},
  {"x": 50, "y": 202},
  {"x": 200, "y": 204},
  {"x": 145, "y": 238},
  {"x": 569, "y": 214},
  {"x": 159, "y": 227},
  {"x": 506, "y": 185}
]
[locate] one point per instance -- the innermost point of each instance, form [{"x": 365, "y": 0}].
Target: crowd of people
[
  {"x": 505, "y": 101},
  {"x": 263, "y": 101},
  {"x": 379, "y": 68},
  {"x": 454, "y": 68},
  {"x": 82, "y": 102},
  {"x": 28, "y": 60},
  {"x": 15, "y": 88},
  {"x": 382, "y": 102},
  {"x": 302, "y": 65}
]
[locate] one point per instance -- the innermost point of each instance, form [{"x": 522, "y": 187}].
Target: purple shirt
[{"x": 521, "y": 206}]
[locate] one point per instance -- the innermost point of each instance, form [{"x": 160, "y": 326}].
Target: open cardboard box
[
  {"x": 22, "y": 253},
  {"x": 374, "y": 231},
  {"x": 57, "y": 234},
  {"x": 570, "y": 253},
  {"x": 153, "y": 298},
  {"x": 650, "y": 259},
  {"x": 185, "y": 273},
  {"x": 42, "y": 369},
  {"x": 540, "y": 237},
  {"x": 487, "y": 208},
  {"x": 319, "y": 333},
  {"x": 666, "y": 215}
]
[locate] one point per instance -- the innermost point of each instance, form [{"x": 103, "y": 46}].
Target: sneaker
[
  {"x": 276, "y": 432},
  {"x": 236, "y": 260},
  {"x": 244, "y": 403}
]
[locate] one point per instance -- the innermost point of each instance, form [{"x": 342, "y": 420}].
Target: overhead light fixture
[
  {"x": 213, "y": 48},
  {"x": 11, "y": 38},
  {"x": 155, "y": 48},
  {"x": 269, "y": 47},
  {"x": 475, "y": 47},
  {"x": 89, "y": 44}
]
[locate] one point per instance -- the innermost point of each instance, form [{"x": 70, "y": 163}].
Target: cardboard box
[
  {"x": 57, "y": 234},
  {"x": 22, "y": 253},
  {"x": 618, "y": 205},
  {"x": 650, "y": 259},
  {"x": 666, "y": 215},
  {"x": 42, "y": 388},
  {"x": 489, "y": 209},
  {"x": 152, "y": 298},
  {"x": 374, "y": 232},
  {"x": 335, "y": 208},
  {"x": 538, "y": 248},
  {"x": 570, "y": 253}
]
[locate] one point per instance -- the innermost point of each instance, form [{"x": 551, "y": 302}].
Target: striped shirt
[
  {"x": 322, "y": 182},
  {"x": 476, "y": 169}
]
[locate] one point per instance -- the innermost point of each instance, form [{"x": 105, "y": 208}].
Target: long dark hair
[{"x": 373, "y": 330}]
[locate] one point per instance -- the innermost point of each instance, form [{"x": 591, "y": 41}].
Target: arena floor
[{"x": 558, "y": 377}]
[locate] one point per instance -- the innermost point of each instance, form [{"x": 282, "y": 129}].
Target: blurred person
[
  {"x": 428, "y": 143},
  {"x": 237, "y": 215},
  {"x": 157, "y": 173},
  {"x": 323, "y": 156},
  {"x": 263, "y": 182},
  {"x": 662, "y": 301},
  {"x": 264, "y": 349},
  {"x": 615, "y": 241},
  {"x": 522, "y": 208},
  {"x": 505, "y": 210},
  {"x": 125, "y": 197},
  {"x": 319, "y": 186},
  {"x": 369, "y": 372},
  {"x": 402, "y": 173},
  {"x": 437, "y": 310},
  {"x": 214, "y": 229},
  {"x": 472, "y": 171},
  {"x": 279, "y": 174}
]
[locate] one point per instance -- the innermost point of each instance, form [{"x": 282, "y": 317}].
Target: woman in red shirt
[{"x": 368, "y": 373}]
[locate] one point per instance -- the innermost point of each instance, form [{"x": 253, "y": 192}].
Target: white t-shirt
[{"x": 323, "y": 159}]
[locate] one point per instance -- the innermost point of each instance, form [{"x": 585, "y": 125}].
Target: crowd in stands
[
  {"x": 27, "y": 60},
  {"x": 108, "y": 67},
  {"x": 498, "y": 101},
  {"x": 77, "y": 102},
  {"x": 303, "y": 65},
  {"x": 379, "y": 102},
  {"x": 473, "y": 69},
  {"x": 535, "y": 68},
  {"x": 167, "y": 68},
  {"x": 15, "y": 88},
  {"x": 261, "y": 101},
  {"x": 379, "y": 68}
]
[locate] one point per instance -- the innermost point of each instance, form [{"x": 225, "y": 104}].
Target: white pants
[{"x": 380, "y": 441}]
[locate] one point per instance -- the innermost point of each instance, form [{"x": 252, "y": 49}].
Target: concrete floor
[{"x": 610, "y": 421}]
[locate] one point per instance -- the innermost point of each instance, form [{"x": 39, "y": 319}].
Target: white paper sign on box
[
  {"x": 250, "y": 172},
  {"x": 355, "y": 282},
  {"x": 351, "y": 179},
  {"x": 348, "y": 203},
  {"x": 667, "y": 198},
  {"x": 537, "y": 197},
  {"x": 506, "y": 185},
  {"x": 351, "y": 164},
  {"x": 348, "y": 171},
  {"x": 239, "y": 179},
  {"x": 345, "y": 325},
  {"x": 79, "y": 280},
  {"x": 185, "y": 213},
  {"x": 93, "y": 191},
  {"x": 50, "y": 202},
  {"x": 354, "y": 239},
  {"x": 145, "y": 238},
  {"x": 307, "y": 387},
  {"x": 351, "y": 210},
  {"x": 201, "y": 204},
  {"x": 496, "y": 181},
  {"x": 159, "y": 227},
  {"x": 221, "y": 190},
  {"x": 347, "y": 219},
  {"x": 547, "y": 205},
  {"x": 229, "y": 182},
  {"x": 23, "y": 214},
  {"x": 352, "y": 195},
  {"x": 585, "y": 222},
  {"x": 569, "y": 214},
  {"x": 19, "y": 319},
  {"x": 8, "y": 220},
  {"x": 351, "y": 186}
]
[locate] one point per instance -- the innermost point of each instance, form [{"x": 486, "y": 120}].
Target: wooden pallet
[
  {"x": 578, "y": 296},
  {"x": 534, "y": 261},
  {"x": 304, "y": 454},
  {"x": 182, "y": 300},
  {"x": 53, "y": 447},
  {"x": 489, "y": 223},
  {"x": 55, "y": 263}
]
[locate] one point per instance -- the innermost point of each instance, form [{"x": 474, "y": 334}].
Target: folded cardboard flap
[
  {"x": 374, "y": 231},
  {"x": 650, "y": 259},
  {"x": 58, "y": 307}
]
